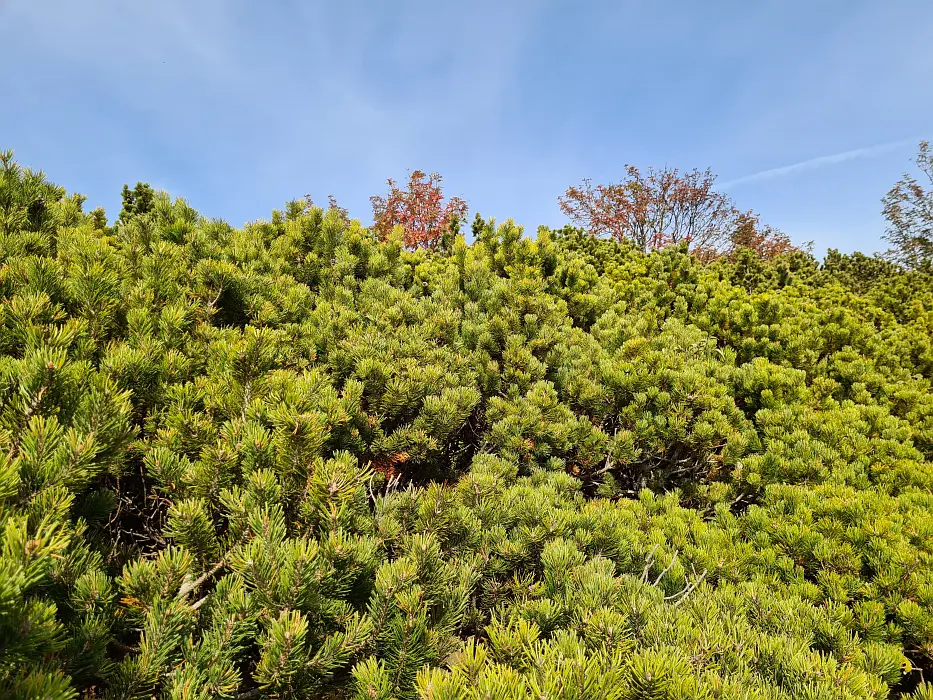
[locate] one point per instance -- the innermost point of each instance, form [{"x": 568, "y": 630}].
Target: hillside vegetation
[{"x": 298, "y": 460}]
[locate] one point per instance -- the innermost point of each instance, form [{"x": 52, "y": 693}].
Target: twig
[
  {"x": 190, "y": 586},
  {"x": 649, "y": 560},
  {"x": 610, "y": 463},
  {"x": 369, "y": 488},
  {"x": 393, "y": 483},
  {"x": 249, "y": 694},
  {"x": 247, "y": 395},
  {"x": 661, "y": 575},
  {"x": 688, "y": 589},
  {"x": 692, "y": 588}
]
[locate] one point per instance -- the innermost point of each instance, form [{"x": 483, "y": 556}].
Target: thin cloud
[{"x": 814, "y": 163}]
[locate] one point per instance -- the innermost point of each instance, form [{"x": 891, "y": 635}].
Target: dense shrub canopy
[{"x": 294, "y": 460}]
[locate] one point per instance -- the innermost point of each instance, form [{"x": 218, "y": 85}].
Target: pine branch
[{"x": 31, "y": 408}]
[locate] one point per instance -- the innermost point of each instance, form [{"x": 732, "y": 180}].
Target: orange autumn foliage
[
  {"x": 764, "y": 240},
  {"x": 654, "y": 209},
  {"x": 659, "y": 208},
  {"x": 421, "y": 210},
  {"x": 388, "y": 464}
]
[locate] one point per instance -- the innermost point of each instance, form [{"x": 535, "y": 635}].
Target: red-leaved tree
[
  {"x": 654, "y": 209},
  {"x": 421, "y": 210},
  {"x": 762, "y": 239}
]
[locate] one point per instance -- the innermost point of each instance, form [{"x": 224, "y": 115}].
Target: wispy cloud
[
  {"x": 820, "y": 162},
  {"x": 240, "y": 105}
]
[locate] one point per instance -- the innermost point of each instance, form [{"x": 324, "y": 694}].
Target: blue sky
[{"x": 239, "y": 106}]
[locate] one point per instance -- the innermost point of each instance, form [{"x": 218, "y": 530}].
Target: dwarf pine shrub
[{"x": 294, "y": 460}]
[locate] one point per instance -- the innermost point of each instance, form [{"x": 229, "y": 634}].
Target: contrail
[{"x": 814, "y": 163}]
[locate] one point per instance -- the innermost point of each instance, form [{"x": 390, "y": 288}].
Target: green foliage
[
  {"x": 292, "y": 460},
  {"x": 137, "y": 201},
  {"x": 908, "y": 207}
]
